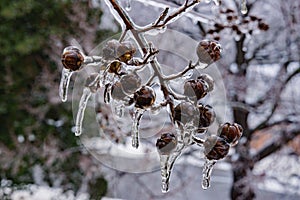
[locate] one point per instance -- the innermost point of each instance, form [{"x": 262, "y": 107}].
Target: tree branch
[{"x": 264, "y": 124}]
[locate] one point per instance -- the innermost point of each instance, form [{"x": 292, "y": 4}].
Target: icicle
[
  {"x": 206, "y": 173},
  {"x": 128, "y": 5},
  {"x": 135, "y": 127},
  {"x": 244, "y": 8},
  {"x": 165, "y": 172},
  {"x": 80, "y": 114},
  {"x": 64, "y": 84}
]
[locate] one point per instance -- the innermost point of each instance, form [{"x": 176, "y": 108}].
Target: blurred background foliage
[{"x": 35, "y": 128}]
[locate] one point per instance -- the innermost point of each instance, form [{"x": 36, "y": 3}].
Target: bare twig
[{"x": 172, "y": 17}]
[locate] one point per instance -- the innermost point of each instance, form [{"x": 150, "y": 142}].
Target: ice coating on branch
[
  {"x": 135, "y": 127},
  {"x": 80, "y": 114},
  {"x": 206, "y": 173},
  {"x": 244, "y": 8},
  {"x": 64, "y": 84}
]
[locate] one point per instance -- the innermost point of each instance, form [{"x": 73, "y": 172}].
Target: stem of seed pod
[
  {"x": 64, "y": 84},
  {"x": 80, "y": 114}
]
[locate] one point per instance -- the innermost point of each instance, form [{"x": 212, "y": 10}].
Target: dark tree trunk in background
[{"x": 241, "y": 189}]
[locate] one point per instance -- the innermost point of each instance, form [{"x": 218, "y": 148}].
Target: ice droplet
[
  {"x": 119, "y": 109},
  {"x": 207, "y": 1},
  {"x": 135, "y": 127},
  {"x": 64, "y": 84},
  {"x": 244, "y": 8},
  {"x": 217, "y": 2},
  {"x": 80, "y": 114},
  {"x": 128, "y": 5},
  {"x": 201, "y": 65},
  {"x": 206, "y": 173}
]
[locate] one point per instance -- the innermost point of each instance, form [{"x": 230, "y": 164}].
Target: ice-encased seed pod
[
  {"x": 230, "y": 132},
  {"x": 196, "y": 88},
  {"x": 117, "y": 92},
  {"x": 166, "y": 143},
  {"x": 72, "y": 58},
  {"x": 130, "y": 83},
  {"x": 208, "y": 51},
  {"x": 184, "y": 113},
  {"x": 114, "y": 50},
  {"x": 125, "y": 51},
  {"x": 209, "y": 80},
  {"x": 215, "y": 148},
  {"x": 109, "y": 50},
  {"x": 144, "y": 97},
  {"x": 114, "y": 67},
  {"x": 206, "y": 116}
]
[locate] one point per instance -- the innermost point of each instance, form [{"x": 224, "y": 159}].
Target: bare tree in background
[{"x": 262, "y": 49}]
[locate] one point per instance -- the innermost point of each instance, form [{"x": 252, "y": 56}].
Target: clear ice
[
  {"x": 80, "y": 114},
  {"x": 206, "y": 173},
  {"x": 64, "y": 84},
  {"x": 135, "y": 127}
]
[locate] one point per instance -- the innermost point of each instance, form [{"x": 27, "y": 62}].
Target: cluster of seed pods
[{"x": 123, "y": 86}]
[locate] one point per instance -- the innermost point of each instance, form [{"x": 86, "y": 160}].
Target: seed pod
[
  {"x": 117, "y": 92},
  {"x": 130, "y": 83},
  {"x": 196, "y": 88},
  {"x": 166, "y": 143},
  {"x": 185, "y": 112},
  {"x": 72, "y": 58},
  {"x": 109, "y": 51},
  {"x": 125, "y": 51},
  {"x": 206, "y": 116},
  {"x": 208, "y": 51},
  {"x": 90, "y": 82},
  {"x": 230, "y": 132},
  {"x": 144, "y": 97},
  {"x": 115, "y": 67},
  {"x": 209, "y": 80},
  {"x": 215, "y": 148}
]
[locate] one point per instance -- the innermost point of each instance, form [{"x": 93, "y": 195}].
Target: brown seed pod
[
  {"x": 117, "y": 92},
  {"x": 144, "y": 97},
  {"x": 208, "y": 51},
  {"x": 230, "y": 132},
  {"x": 166, "y": 143},
  {"x": 184, "y": 113},
  {"x": 72, "y": 58},
  {"x": 130, "y": 83},
  {"x": 125, "y": 51},
  {"x": 115, "y": 67},
  {"x": 196, "y": 88},
  {"x": 209, "y": 80},
  {"x": 215, "y": 148},
  {"x": 114, "y": 50},
  {"x": 206, "y": 116}
]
